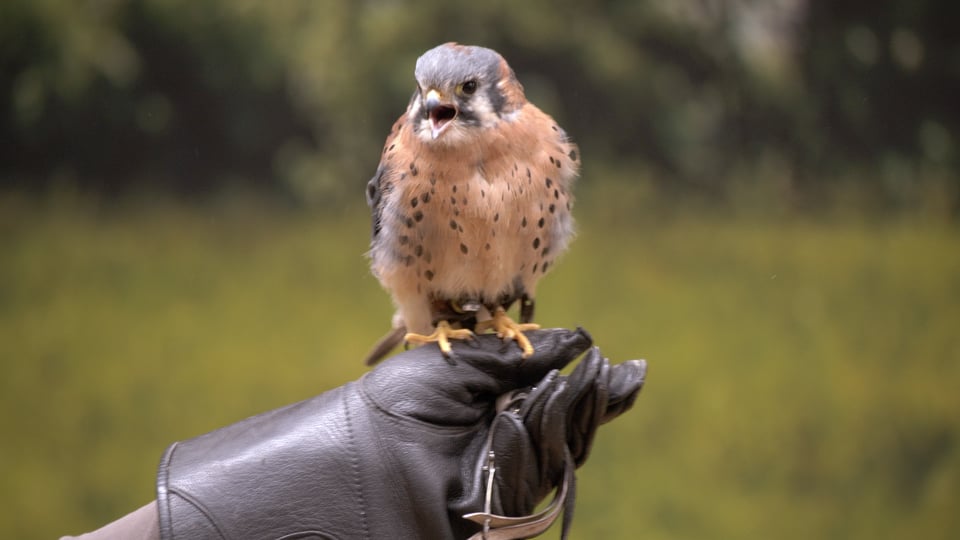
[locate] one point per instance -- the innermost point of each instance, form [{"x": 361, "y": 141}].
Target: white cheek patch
[
  {"x": 483, "y": 111},
  {"x": 414, "y": 113},
  {"x": 511, "y": 116}
]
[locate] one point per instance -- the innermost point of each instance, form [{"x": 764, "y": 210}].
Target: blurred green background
[{"x": 768, "y": 214}]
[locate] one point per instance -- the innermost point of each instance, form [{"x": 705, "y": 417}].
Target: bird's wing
[
  {"x": 375, "y": 199},
  {"x": 378, "y": 186}
]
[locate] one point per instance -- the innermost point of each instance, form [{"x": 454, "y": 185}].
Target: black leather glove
[
  {"x": 545, "y": 432},
  {"x": 406, "y": 451}
]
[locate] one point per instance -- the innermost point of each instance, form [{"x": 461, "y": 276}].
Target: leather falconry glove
[
  {"x": 416, "y": 448},
  {"x": 542, "y": 434}
]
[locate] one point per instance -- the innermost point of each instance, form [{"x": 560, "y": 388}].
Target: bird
[{"x": 471, "y": 203}]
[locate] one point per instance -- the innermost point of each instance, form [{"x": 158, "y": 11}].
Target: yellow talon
[
  {"x": 441, "y": 336},
  {"x": 506, "y": 328}
]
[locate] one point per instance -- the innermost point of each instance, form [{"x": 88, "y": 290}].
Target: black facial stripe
[
  {"x": 467, "y": 117},
  {"x": 497, "y": 100}
]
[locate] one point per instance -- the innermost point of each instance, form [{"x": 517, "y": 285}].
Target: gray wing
[{"x": 375, "y": 192}]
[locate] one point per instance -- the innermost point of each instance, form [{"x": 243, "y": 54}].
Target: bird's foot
[
  {"x": 507, "y": 328},
  {"x": 441, "y": 336}
]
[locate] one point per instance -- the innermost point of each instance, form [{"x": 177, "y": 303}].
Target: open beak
[{"x": 441, "y": 113}]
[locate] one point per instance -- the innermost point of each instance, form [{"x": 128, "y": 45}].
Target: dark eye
[{"x": 469, "y": 87}]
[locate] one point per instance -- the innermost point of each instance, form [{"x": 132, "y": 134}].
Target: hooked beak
[{"x": 439, "y": 112}]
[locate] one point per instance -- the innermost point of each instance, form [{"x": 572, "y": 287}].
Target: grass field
[{"x": 803, "y": 373}]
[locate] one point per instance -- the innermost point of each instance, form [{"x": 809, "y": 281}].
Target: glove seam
[
  {"x": 202, "y": 509},
  {"x": 163, "y": 509},
  {"x": 165, "y": 500},
  {"x": 397, "y": 418},
  {"x": 355, "y": 466}
]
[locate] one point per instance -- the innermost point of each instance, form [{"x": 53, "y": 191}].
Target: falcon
[{"x": 471, "y": 202}]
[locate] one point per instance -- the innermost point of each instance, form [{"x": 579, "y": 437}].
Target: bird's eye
[{"x": 468, "y": 87}]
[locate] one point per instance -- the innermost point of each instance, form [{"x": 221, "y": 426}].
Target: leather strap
[{"x": 496, "y": 527}]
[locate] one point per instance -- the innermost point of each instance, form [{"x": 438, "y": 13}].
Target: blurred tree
[
  {"x": 109, "y": 94},
  {"x": 882, "y": 79},
  {"x": 702, "y": 96}
]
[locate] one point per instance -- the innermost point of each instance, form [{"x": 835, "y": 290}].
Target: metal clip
[
  {"x": 497, "y": 527},
  {"x": 491, "y": 469}
]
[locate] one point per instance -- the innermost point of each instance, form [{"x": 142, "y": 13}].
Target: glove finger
[
  {"x": 539, "y": 417},
  {"x": 565, "y": 412},
  {"x": 583, "y": 377},
  {"x": 504, "y": 368},
  {"x": 543, "y": 413},
  {"x": 551, "y": 439},
  {"x": 587, "y": 411},
  {"x": 517, "y": 478},
  {"x": 624, "y": 382},
  {"x": 537, "y": 396},
  {"x": 421, "y": 383}
]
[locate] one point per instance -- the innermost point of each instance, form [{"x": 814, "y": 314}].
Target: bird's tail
[{"x": 386, "y": 344}]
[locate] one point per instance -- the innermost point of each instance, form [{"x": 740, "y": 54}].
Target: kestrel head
[{"x": 460, "y": 91}]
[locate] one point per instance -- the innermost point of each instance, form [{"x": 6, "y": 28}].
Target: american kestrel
[{"x": 471, "y": 202}]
